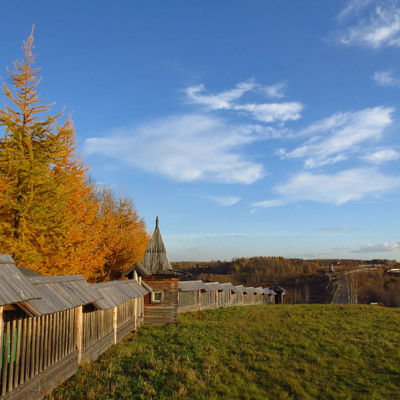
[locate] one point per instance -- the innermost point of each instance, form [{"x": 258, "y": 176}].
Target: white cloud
[
  {"x": 264, "y": 112},
  {"x": 380, "y": 247},
  {"x": 339, "y": 135},
  {"x": 266, "y": 204},
  {"x": 221, "y": 101},
  {"x": 338, "y": 188},
  {"x": 185, "y": 148},
  {"x": 273, "y": 112},
  {"x": 386, "y": 79},
  {"x": 275, "y": 91},
  {"x": 381, "y": 28},
  {"x": 382, "y": 156},
  {"x": 354, "y": 7},
  {"x": 225, "y": 201}
]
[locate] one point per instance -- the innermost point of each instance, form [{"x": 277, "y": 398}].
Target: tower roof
[{"x": 155, "y": 259}]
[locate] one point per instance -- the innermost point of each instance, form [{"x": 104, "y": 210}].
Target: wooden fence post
[
  {"x": 79, "y": 331},
  {"x": 199, "y": 299},
  {"x": 136, "y": 312},
  {"x": 115, "y": 323}
]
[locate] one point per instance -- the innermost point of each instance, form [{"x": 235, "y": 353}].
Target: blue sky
[{"x": 251, "y": 128}]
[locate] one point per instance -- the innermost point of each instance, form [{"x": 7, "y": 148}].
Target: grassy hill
[{"x": 259, "y": 352}]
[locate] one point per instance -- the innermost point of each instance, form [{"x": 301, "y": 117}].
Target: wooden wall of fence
[
  {"x": 204, "y": 300},
  {"x": 39, "y": 353}
]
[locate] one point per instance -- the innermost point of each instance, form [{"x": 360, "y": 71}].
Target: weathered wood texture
[
  {"x": 193, "y": 300},
  {"x": 165, "y": 311},
  {"x": 39, "y": 353},
  {"x": 41, "y": 385},
  {"x": 31, "y": 345}
]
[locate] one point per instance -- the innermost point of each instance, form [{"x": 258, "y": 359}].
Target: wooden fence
[
  {"x": 204, "y": 300},
  {"x": 39, "y": 353}
]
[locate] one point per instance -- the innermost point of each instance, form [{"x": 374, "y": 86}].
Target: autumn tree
[
  {"x": 30, "y": 146},
  {"x": 123, "y": 234},
  {"x": 52, "y": 218}
]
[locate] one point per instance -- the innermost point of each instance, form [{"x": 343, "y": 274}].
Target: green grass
[{"x": 259, "y": 352}]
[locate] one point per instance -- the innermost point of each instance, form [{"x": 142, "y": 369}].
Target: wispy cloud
[
  {"x": 378, "y": 26},
  {"x": 382, "y": 156},
  {"x": 380, "y": 247},
  {"x": 337, "y": 188},
  {"x": 220, "y": 101},
  {"x": 266, "y": 204},
  {"x": 186, "y": 148},
  {"x": 337, "y": 136},
  {"x": 224, "y": 201},
  {"x": 229, "y": 100},
  {"x": 274, "y": 91},
  {"x": 354, "y": 7},
  {"x": 386, "y": 79}
]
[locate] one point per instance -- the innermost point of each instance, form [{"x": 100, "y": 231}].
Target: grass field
[{"x": 259, "y": 352}]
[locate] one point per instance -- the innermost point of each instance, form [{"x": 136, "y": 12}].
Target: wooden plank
[
  {"x": 51, "y": 340},
  {"x": 79, "y": 331},
  {"x": 28, "y": 349},
  {"x": 5, "y": 358},
  {"x": 58, "y": 337},
  {"x": 37, "y": 345},
  {"x": 45, "y": 340},
  {"x": 42, "y": 328},
  {"x": 18, "y": 354},
  {"x": 42, "y": 385},
  {"x": 11, "y": 356},
  {"x": 24, "y": 335},
  {"x": 115, "y": 323}
]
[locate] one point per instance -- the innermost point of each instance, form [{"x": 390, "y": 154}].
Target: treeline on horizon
[
  {"x": 269, "y": 269},
  {"x": 305, "y": 281},
  {"x": 54, "y": 219}
]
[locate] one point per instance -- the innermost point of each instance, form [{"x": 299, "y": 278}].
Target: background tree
[{"x": 52, "y": 218}]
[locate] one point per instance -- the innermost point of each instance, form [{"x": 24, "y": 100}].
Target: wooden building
[
  {"x": 279, "y": 294},
  {"x": 161, "y": 304}
]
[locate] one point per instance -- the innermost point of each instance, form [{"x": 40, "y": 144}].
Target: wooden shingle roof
[
  {"x": 155, "y": 259},
  {"x": 60, "y": 293},
  {"x": 14, "y": 287},
  {"x": 115, "y": 293},
  {"x": 213, "y": 286},
  {"x": 188, "y": 286},
  {"x": 227, "y": 286}
]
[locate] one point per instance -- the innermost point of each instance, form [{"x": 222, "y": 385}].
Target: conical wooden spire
[{"x": 155, "y": 259}]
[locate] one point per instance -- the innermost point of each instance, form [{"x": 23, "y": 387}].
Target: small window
[{"x": 157, "y": 297}]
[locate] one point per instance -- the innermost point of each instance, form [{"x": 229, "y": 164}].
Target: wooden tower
[{"x": 161, "y": 304}]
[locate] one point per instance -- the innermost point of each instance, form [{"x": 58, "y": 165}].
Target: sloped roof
[
  {"x": 155, "y": 259},
  {"x": 249, "y": 290},
  {"x": 115, "y": 293},
  {"x": 213, "y": 286},
  {"x": 14, "y": 286},
  {"x": 60, "y": 293},
  {"x": 188, "y": 286},
  {"x": 259, "y": 290},
  {"x": 227, "y": 286},
  {"x": 278, "y": 289},
  {"x": 269, "y": 291},
  {"x": 239, "y": 289}
]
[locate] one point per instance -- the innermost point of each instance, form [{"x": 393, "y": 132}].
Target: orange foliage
[{"x": 52, "y": 219}]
